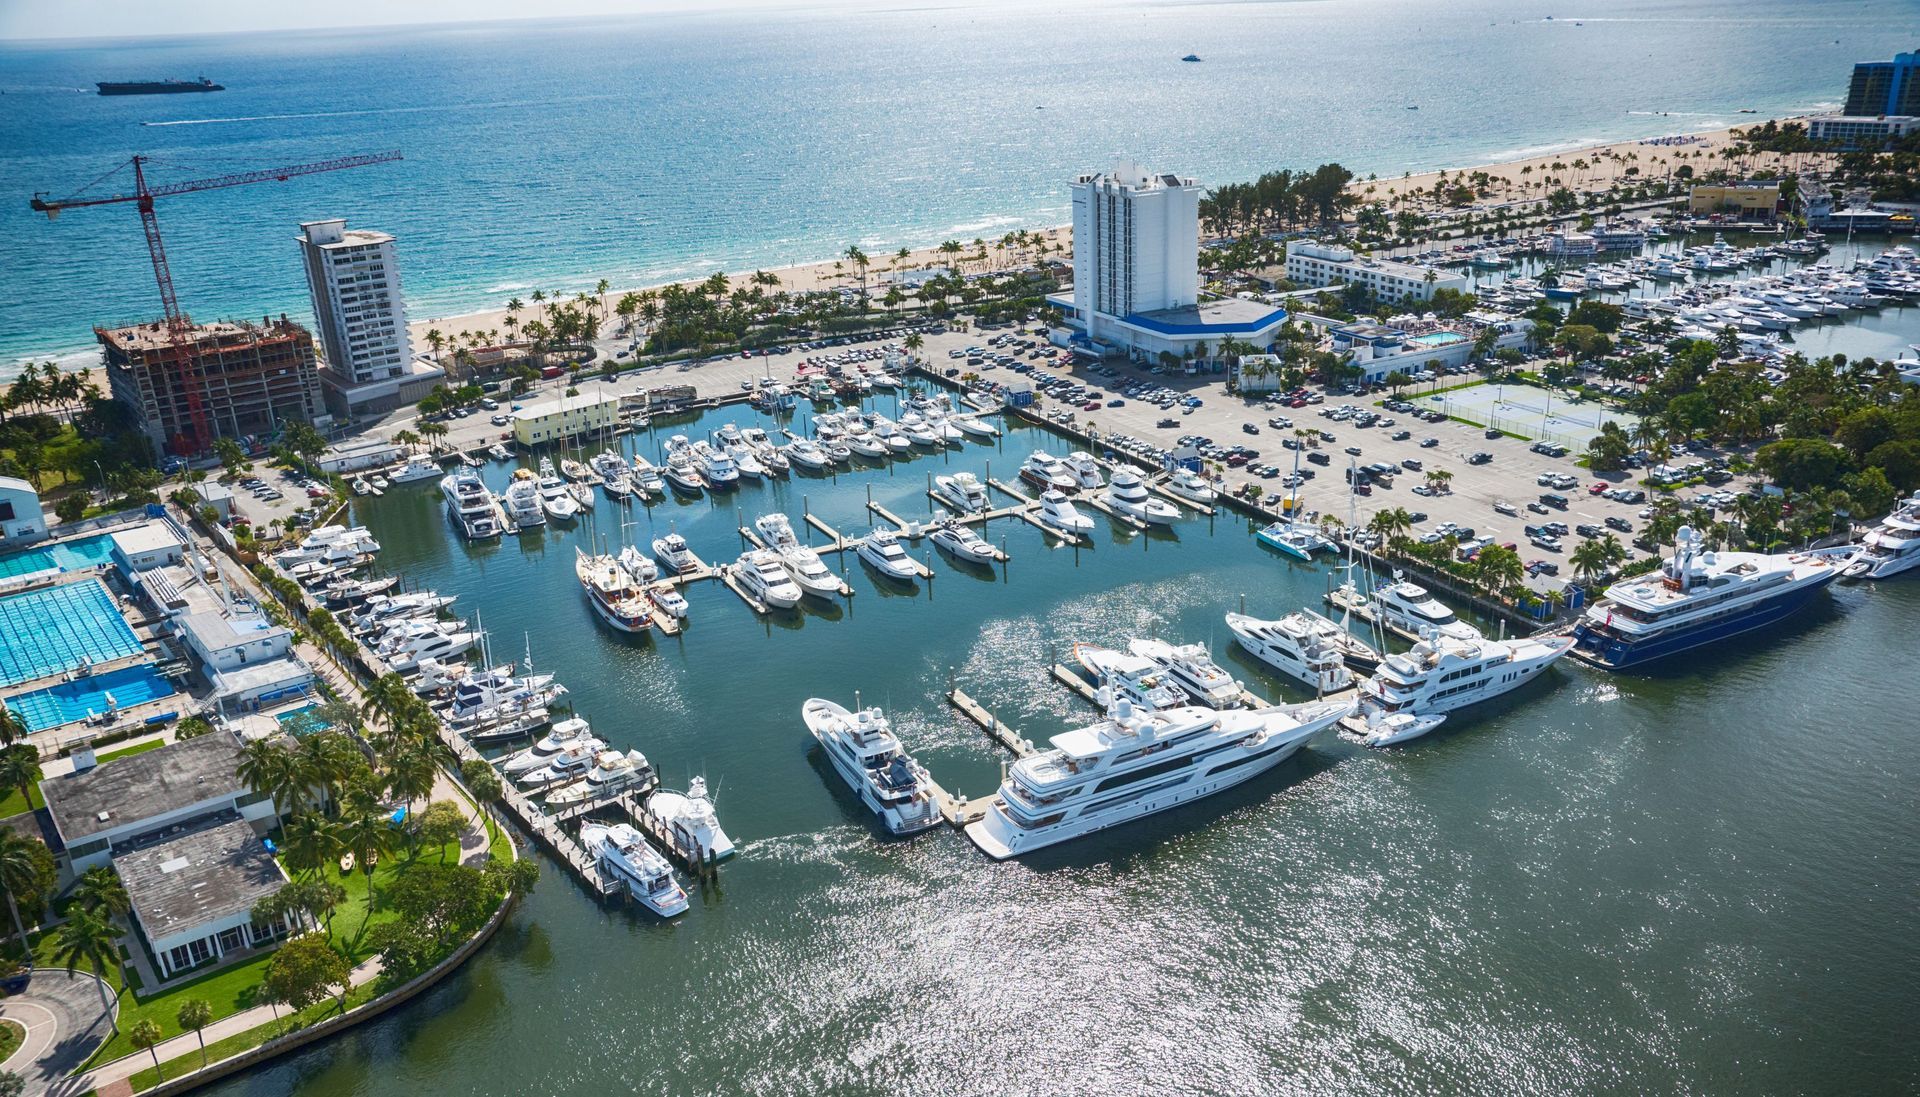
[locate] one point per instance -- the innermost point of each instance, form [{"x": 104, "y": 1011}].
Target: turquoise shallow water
[
  {"x": 549, "y": 155},
  {"x": 1698, "y": 881}
]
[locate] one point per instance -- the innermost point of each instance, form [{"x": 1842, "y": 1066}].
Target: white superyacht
[
  {"x": 1300, "y": 645},
  {"x": 1133, "y": 764}
]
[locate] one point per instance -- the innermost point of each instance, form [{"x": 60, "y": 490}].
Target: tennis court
[
  {"x": 1529, "y": 412},
  {"x": 54, "y": 630}
]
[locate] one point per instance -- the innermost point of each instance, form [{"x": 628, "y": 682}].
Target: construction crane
[{"x": 185, "y": 356}]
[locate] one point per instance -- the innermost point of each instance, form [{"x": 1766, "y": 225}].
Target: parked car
[{"x": 1429, "y": 443}]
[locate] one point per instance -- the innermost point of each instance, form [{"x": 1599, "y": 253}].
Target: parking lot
[{"x": 269, "y": 494}]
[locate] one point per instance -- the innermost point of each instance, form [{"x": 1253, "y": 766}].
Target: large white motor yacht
[
  {"x": 565, "y": 733},
  {"x": 522, "y": 500},
  {"x": 555, "y": 499},
  {"x": 1060, "y": 514},
  {"x": 962, "y": 491},
  {"x": 863, "y": 748},
  {"x": 622, "y": 851},
  {"x": 775, "y": 530},
  {"x": 471, "y": 506},
  {"x": 1407, "y": 605},
  {"x": 1136, "y": 678},
  {"x": 612, "y": 592},
  {"x": 1128, "y": 494},
  {"x": 1299, "y": 645},
  {"x": 715, "y": 465},
  {"x": 809, "y": 572},
  {"x": 691, "y": 814},
  {"x": 761, "y": 575},
  {"x": 1048, "y": 473},
  {"x": 1189, "y": 484},
  {"x": 1891, "y": 547},
  {"x": 672, "y": 551},
  {"x": 1133, "y": 764},
  {"x": 1084, "y": 469},
  {"x": 883, "y": 551},
  {"x": 1193, "y": 670},
  {"x": 962, "y": 542},
  {"x": 1444, "y": 673}
]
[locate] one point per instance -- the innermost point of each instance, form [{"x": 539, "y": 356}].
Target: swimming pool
[
  {"x": 66, "y": 556},
  {"x": 70, "y": 701},
  {"x": 54, "y": 630},
  {"x": 303, "y": 721},
  {"x": 1438, "y": 338}
]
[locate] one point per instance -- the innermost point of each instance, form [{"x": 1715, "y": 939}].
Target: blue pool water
[
  {"x": 1438, "y": 338},
  {"x": 50, "y": 631},
  {"x": 302, "y": 721},
  {"x": 69, "y": 701},
  {"x": 67, "y": 556}
]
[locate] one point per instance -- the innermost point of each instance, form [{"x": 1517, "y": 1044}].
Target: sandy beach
[{"x": 1513, "y": 180}]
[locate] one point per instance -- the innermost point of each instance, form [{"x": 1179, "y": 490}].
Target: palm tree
[
  {"x": 87, "y": 938},
  {"x": 269, "y": 769},
  {"x": 1589, "y": 559},
  {"x": 310, "y": 841},
  {"x": 20, "y": 768},
  {"x": 411, "y": 773},
  {"x": 367, "y": 836},
  {"x": 19, "y": 872},
  {"x": 11, "y": 726},
  {"x": 146, "y": 1035},
  {"x": 101, "y": 891},
  {"x": 195, "y": 1015}
]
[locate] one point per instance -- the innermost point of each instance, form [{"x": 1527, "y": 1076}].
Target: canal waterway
[{"x": 1701, "y": 880}]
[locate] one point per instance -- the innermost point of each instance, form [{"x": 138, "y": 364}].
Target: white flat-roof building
[
  {"x": 1851, "y": 131},
  {"x": 21, "y": 519},
  {"x": 1313, "y": 264},
  {"x": 148, "y": 545},
  {"x": 1136, "y": 270},
  {"x": 552, "y": 420}
]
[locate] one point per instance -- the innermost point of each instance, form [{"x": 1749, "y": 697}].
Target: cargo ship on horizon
[{"x": 158, "y": 87}]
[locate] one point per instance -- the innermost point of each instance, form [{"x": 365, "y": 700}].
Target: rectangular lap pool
[
  {"x": 52, "y": 631},
  {"x": 70, "y": 701},
  {"x": 67, "y": 556}
]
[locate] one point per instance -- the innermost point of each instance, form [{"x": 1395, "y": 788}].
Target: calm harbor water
[
  {"x": 549, "y": 155},
  {"x": 1701, "y": 881}
]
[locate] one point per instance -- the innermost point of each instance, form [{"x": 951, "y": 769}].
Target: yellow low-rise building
[
  {"x": 1749, "y": 200},
  {"x": 569, "y": 417}
]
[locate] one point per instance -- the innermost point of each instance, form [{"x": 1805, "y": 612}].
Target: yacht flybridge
[{"x": 862, "y": 747}]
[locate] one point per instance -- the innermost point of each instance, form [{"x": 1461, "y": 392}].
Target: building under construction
[{"x": 220, "y": 380}]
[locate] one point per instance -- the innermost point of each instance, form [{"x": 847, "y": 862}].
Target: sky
[{"x": 36, "y": 19}]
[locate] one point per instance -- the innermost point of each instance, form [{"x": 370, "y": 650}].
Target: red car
[
  {"x": 1597, "y": 488},
  {"x": 1091, "y": 405}
]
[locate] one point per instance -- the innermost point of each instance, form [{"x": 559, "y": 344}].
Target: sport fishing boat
[
  {"x": 1128, "y": 494},
  {"x": 611, "y": 591},
  {"x": 1406, "y": 605},
  {"x": 962, "y": 491},
  {"x": 1193, "y": 670},
  {"x": 870, "y": 759},
  {"x": 1699, "y": 597},
  {"x": 961, "y": 542},
  {"x": 1442, "y": 674},
  {"x": 691, "y": 818},
  {"x": 622, "y": 851},
  {"x": 883, "y": 551},
  {"x": 558, "y": 503},
  {"x": 1133, "y": 764},
  {"x": 1891, "y": 547},
  {"x": 1299, "y": 645}
]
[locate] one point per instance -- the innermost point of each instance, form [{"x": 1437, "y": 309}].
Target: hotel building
[
  {"x": 353, "y": 279},
  {"x": 1328, "y": 264}
]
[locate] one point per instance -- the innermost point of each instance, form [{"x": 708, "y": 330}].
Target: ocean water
[
  {"x": 550, "y": 155},
  {"x": 1696, "y": 881}
]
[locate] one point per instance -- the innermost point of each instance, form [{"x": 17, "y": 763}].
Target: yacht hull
[{"x": 1608, "y": 652}]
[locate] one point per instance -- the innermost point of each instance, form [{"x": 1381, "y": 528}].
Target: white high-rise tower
[
  {"x": 357, "y": 306},
  {"x": 1136, "y": 243}
]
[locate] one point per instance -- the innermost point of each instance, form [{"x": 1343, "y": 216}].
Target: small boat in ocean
[{"x": 1192, "y": 58}]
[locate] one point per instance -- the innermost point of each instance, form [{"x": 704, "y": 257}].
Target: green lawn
[
  {"x": 351, "y": 920},
  {"x": 137, "y": 748},
  {"x": 14, "y": 803},
  {"x": 242, "y": 1041},
  {"x": 228, "y": 990},
  {"x": 10, "y": 1036}
]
